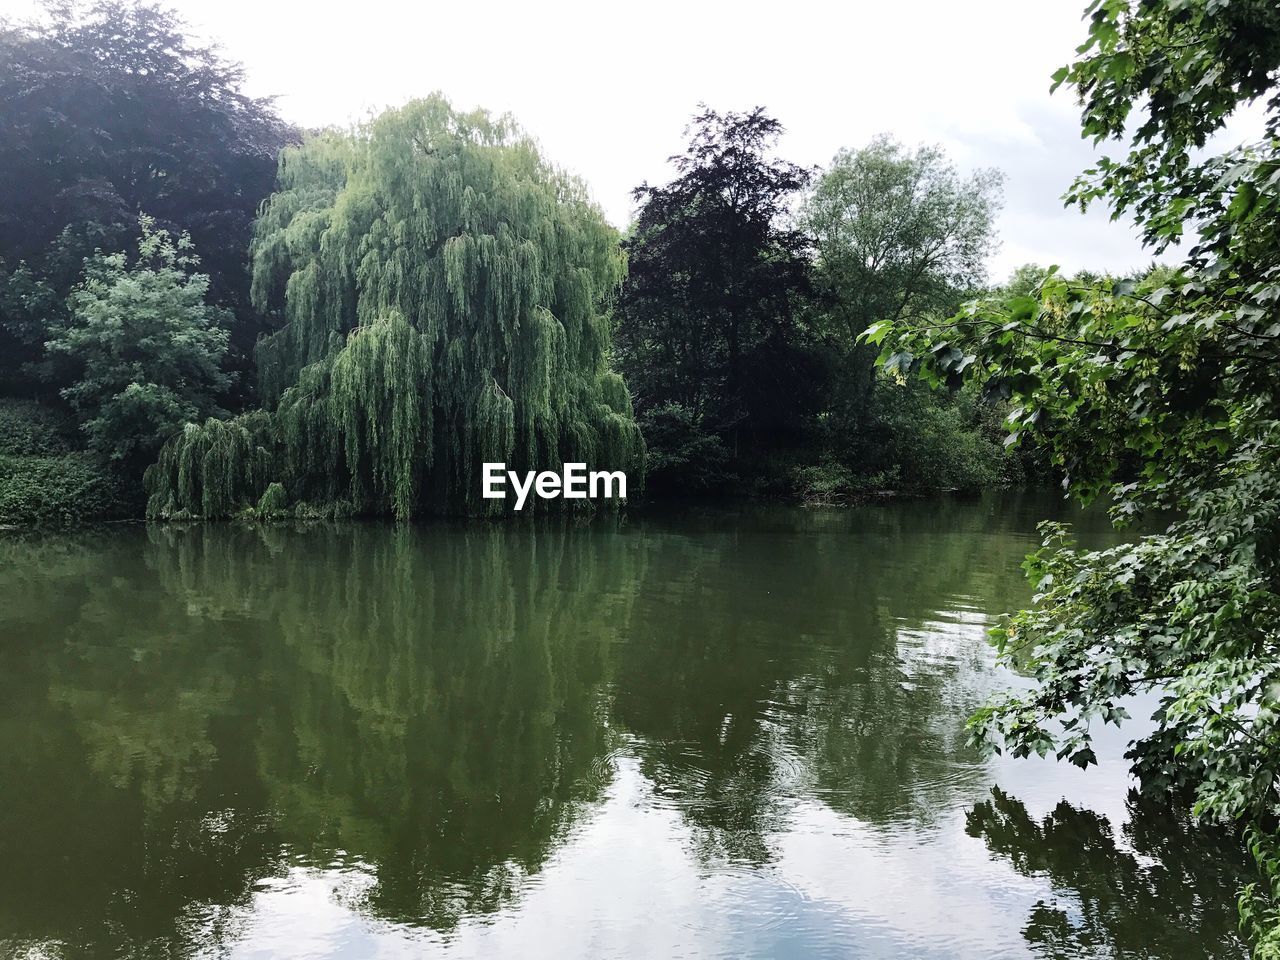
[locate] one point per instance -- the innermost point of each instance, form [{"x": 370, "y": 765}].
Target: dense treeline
[
  {"x": 111, "y": 111},
  {"x": 750, "y": 282},
  {"x": 351, "y": 324}
]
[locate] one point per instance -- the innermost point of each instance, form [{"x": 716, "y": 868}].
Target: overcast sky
[{"x": 608, "y": 88}]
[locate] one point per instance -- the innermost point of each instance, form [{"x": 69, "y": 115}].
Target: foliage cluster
[
  {"x": 750, "y": 280},
  {"x": 146, "y": 347},
  {"x": 44, "y": 480},
  {"x": 32, "y": 429},
  {"x": 1164, "y": 393},
  {"x": 684, "y": 455},
  {"x": 59, "y": 489},
  {"x": 445, "y": 293},
  {"x": 112, "y": 111}
]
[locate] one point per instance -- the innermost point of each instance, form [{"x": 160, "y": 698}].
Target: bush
[
  {"x": 329, "y": 510},
  {"x": 681, "y": 454},
  {"x": 833, "y": 484},
  {"x": 61, "y": 489},
  {"x": 274, "y": 502},
  {"x": 31, "y": 429},
  {"x": 934, "y": 442}
]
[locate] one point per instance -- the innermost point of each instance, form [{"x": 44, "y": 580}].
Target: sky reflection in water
[{"x": 711, "y": 734}]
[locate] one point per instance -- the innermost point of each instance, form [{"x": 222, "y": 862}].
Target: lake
[{"x": 708, "y": 732}]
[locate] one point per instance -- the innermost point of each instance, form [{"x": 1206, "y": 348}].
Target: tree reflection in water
[
  {"x": 1153, "y": 891},
  {"x": 190, "y": 715}
]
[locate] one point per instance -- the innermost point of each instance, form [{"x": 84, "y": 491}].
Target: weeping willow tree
[{"x": 445, "y": 293}]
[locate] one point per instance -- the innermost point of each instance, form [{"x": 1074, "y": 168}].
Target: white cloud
[{"x": 607, "y": 88}]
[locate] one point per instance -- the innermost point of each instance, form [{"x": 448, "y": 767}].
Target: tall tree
[
  {"x": 146, "y": 347},
  {"x": 898, "y": 233},
  {"x": 1166, "y": 393},
  {"x": 708, "y": 314},
  {"x": 110, "y": 110},
  {"x": 446, "y": 293}
]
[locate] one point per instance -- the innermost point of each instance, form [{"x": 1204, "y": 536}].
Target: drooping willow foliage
[
  {"x": 210, "y": 469},
  {"x": 445, "y": 293}
]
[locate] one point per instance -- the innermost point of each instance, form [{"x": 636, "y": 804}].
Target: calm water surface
[{"x": 711, "y": 734}]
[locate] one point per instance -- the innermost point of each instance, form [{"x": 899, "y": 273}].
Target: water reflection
[
  {"x": 717, "y": 734},
  {"x": 1151, "y": 892}
]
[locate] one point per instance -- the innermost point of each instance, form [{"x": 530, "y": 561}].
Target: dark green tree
[
  {"x": 898, "y": 233},
  {"x": 110, "y": 110},
  {"x": 709, "y": 310}
]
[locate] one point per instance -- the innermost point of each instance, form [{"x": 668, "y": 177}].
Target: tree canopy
[
  {"x": 446, "y": 298},
  {"x": 111, "y": 111},
  {"x": 899, "y": 232},
  {"x": 1162, "y": 392},
  {"x": 715, "y": 276},
  {"x": 145, "y": 347}
]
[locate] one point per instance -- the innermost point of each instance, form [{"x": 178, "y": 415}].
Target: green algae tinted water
[{"x": 710, "y": 733}]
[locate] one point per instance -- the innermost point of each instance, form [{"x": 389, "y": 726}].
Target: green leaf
[{"x": 1023, "y": 308}]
